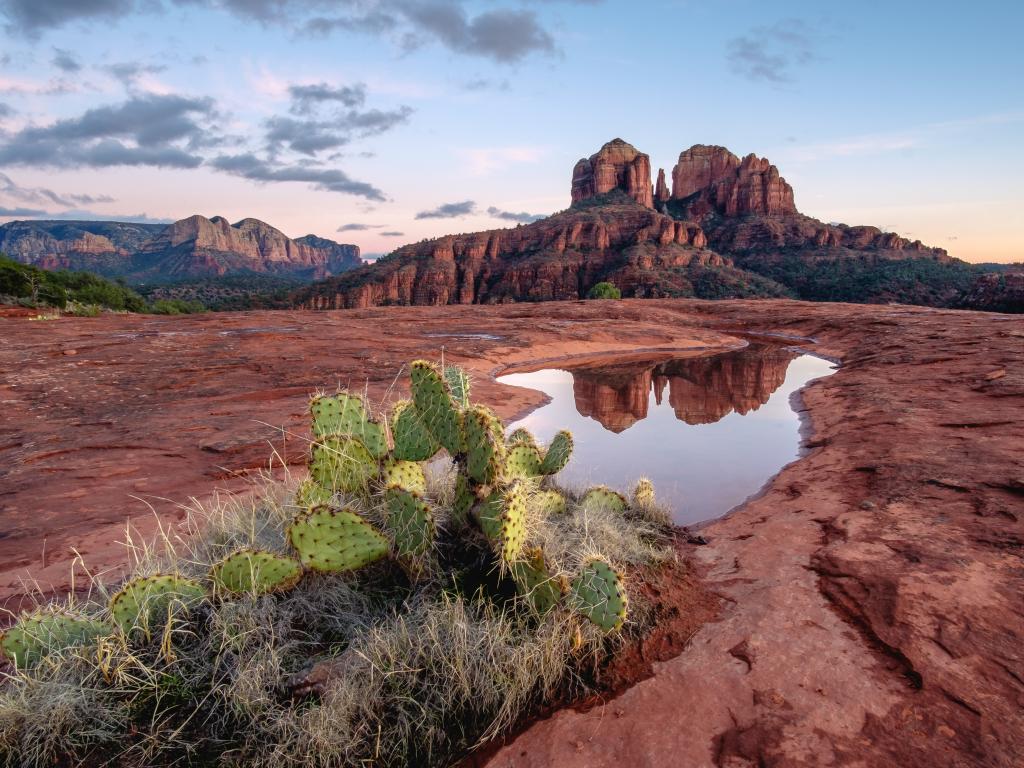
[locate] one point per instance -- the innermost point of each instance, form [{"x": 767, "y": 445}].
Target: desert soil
[{"x": 871, "y": 601}]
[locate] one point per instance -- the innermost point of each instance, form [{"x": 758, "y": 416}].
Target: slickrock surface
[{"x": 872, "y": 599}]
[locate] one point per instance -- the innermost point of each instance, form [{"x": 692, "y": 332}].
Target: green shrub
[
  {"x": 604, "y": 290},
  {"x": 175, "y": 307}
]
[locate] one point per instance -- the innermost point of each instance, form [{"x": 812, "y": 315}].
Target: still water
[{"x": 709, "y": 431}]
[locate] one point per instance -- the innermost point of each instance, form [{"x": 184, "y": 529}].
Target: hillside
[
  {"x": 190, "y": 249},
  {"x": 727, "y": 228}
]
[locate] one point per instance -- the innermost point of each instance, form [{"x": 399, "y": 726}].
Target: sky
[{"x": 383, "y": 122}]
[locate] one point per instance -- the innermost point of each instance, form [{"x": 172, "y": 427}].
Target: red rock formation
[
  {"x": 732, "y": 186},
  {"x": 661, "y": 193},
  {"x": 998, "y": 292},
  {"x": 617, "y": 165}
]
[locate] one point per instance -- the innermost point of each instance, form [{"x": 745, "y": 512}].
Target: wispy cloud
[
  {"x": 359, "y": 227},
  {"x": 521, "y": 218},
  {"x": 772, "y": 53},
  {"x": 44, "y": 196},
  {"x": 449, "y": 211}
]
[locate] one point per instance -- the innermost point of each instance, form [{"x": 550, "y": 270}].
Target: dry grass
[{"x": 422, "y": 669}]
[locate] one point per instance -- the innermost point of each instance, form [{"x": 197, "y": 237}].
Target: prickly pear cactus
[
  {"x": 548, "y": 503},
  {"x": 437, "y": 409},
  {"x": 458, "y": 383},
  {"x": 503, "y": 517},
  {"x": 521, "y": 436},
  {"x": 255, "y": 571},
  {"x": 599, "y": 595},
  {"x": 342, "y": 463},
  {"x": 46, "y": 631},
  {"x": 464, "y": 499},
  {"x": 413, "y": 441},
  {"x": 334, "y": 541},
  {"x": 143, "y": 601},
  {"x": 346, "y": 414},
  {"x": 310, "y": 494},
  {"x": 558, "y": 453},
  {"x": 541, "y": 590},
  {"x": 407, "y": 475},
  {"x": 643, "y": 493},
  {"x": 603, "y": 499},
  {"x": 410, "y": 521},
  {"x": 522, "y": 460},
  {"x": 484, "y": 453}
]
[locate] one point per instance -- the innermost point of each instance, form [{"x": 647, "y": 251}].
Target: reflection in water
[{"x": 709, "y": 431}]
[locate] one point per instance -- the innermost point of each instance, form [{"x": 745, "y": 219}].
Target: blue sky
[{"x": 397, "y": 120}]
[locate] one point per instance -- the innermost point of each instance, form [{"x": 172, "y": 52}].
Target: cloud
[
  {"x": 771, "y": 53},
  {"x": 249, "y": 166},
  {"x": 30, "y": 17},
  {"x": 65, "y": 61},
  {"x": 522, "y": 218},
  {"x": 155, "y": 130},
  {"x": 128, "y": 72},
  {"x": 485, "y": 84},
  {"x": 308, "y": 137},
  {"x": 392, "y": 234},
  {"x": 305, "y": 98},
  {"x": 28, "y": 213},
  {"x": 449, "y": 211},
  {"x": 6, "y": 110},
  {"x": 359, "y": 227},
  {"x": 504, "y": 35},
  {"x": 43, "y": 196},
  {"x": 81, "y": 215}
]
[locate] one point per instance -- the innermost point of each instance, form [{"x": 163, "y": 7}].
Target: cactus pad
[
  {"x": 599, "y": 594},
  {"x": 333, "y": 541},
  {"x": 346, "y": 414},
  {"x": 484, "y": 453},
  {"x": 604, "y": 500},
  {"x": 503, "y": 520},
  {"x": 249, "y": 570},
  {"x": 342, "y": 463},
  {"x": 521, "y": 436},
  {"x": 643, "y": 494},
  {"x": 413, "y": 441},
  {"x": 464, "y": 497},
  {"x": 47, "y": 631},
  {"x": 458, "y": 383},
  {"x": 548, "y": 503},
  {"x": 558, "y": 454},
  {"x": 522, "y": 460},
  {"x": 436, "y": 407},
  {"x": 310, "y": 494},
  {"x": 407, "y": 475},
  {"x": 147, "y": 599},
  {"x": 541, "y": 589},
  {"x": 410, "y": 520}
]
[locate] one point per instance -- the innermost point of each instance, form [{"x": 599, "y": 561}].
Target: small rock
[{"x": 868, "y": 505}]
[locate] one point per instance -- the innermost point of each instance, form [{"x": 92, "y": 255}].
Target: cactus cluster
[{"x": 358, "y": 462}]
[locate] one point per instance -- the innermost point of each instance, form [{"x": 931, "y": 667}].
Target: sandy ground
[{"x": 873, "y": 610}]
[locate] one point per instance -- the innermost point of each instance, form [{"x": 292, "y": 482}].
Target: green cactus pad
[
  {"x": 346, "y": 414},
  {"x": 147, "y": 599},
  {"x": 599, "y": 594},
  {"x": 436, "y": 407},
  {"x": 522, "y": 460},
  {"x": 643, "y": 493},
  {"x": 458, "y": 383},
  {"x": 413, "y": 441},
  {"x": 558, "y": 454},
  {"x": 342, "y": 463},
  {"x": 547, "y": 503},
  {"x": 502, "y": 518},
  {"x": 464, "y": 497},
  {"x": 407, "y": 475},
  {"x": 484, "y": 453},
  {"x": 250, "y": 570},
  {"x": 541, "y": 589},
  {"x": 604, "y": 499},
  {"x": 311, "y": 494},
  {"x": 521, "y": 436},
  {"x": 46, "y": 631},
  {"x": 333, "y": 541},
  {"x": 410, "y": 521}
]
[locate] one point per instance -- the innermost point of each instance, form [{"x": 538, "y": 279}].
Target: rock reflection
[{"x": 701, "y": 390}]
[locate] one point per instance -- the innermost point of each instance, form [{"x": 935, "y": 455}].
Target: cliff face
[
  {"x": 997, "y": 292},
  {"x": 195, "y": 247},
  {"x": 699, "y": 390},
  {"x": 729, "y": 185},
  {"x": 617, "y": 165}
]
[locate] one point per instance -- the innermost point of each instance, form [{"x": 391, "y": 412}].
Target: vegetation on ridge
[{"x": 388, "y": 610}]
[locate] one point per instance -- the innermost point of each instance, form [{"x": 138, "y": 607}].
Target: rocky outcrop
[
  {"x": 617, "y": 165},
  {"x": 661, "y": 192},
  {"x": 997, "y": 292},
  {"x": 733, "y": 187},
  {"x": 195, "y": 247}
]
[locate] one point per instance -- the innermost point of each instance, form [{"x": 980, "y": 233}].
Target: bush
[
  {"x": 176, "y": 307},
  {"x": 604, "y": 290}
]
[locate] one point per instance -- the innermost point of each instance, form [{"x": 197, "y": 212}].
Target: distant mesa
[
  {"x": 195, "y": 247},
  {"x": 728, "y": 227}
]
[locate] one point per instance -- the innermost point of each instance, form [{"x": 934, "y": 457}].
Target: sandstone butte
[
  {"x": 648, "y": 240},
  {"x": 865, "y": 610}
]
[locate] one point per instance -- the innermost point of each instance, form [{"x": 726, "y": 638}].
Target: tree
[{"x": 604, "y": 290}]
